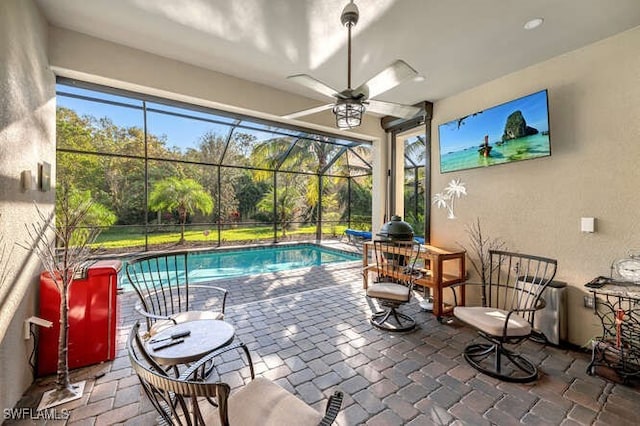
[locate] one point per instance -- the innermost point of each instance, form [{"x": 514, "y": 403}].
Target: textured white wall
[
  {"x": 536, "y": 205},
  {"x": 27, "y": 137}
]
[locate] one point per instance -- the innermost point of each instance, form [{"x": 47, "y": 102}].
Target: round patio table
[{"x": 205, "y": 336}]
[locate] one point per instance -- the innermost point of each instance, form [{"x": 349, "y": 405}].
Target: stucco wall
[
  {"x": 27, "y": 137},
  {"x": 536, "y": 205}
]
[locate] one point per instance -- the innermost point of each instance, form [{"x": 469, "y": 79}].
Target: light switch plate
[{"x": 588, "y": 224}]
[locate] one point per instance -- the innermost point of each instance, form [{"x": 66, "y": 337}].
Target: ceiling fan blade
[
  {"x": 308, "y": 111},
  {"x": 386, "y": 79},
  {"x": 314, "y": 84},
  {"x": 392, "y": 109}
]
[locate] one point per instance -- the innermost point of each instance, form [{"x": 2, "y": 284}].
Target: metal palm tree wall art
[{"x": 446, "y": 199}]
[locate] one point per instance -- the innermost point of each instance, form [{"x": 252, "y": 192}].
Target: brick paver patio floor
[{"x": 308, "y": 330}]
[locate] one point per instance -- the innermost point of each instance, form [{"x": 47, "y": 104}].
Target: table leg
[{"x": 437, "y": 302}]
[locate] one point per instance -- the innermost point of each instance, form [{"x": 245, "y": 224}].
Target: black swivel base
[
  {"x": 497, "y": 361},
  {"x": 392, "y": 320}
]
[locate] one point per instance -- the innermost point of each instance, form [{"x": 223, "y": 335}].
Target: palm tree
[
  {"x": 289, "y": 154},
  {"x": 182, "y": 195},
  {"x": 287, "y": 202}
]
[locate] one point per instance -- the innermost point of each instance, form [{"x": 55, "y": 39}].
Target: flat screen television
[{"x": 514, "y": 131}]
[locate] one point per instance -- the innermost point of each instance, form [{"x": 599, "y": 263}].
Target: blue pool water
[{"x": 219, "y": 264}]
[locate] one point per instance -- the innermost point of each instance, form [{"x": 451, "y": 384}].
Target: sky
[
  {"x": 181, "y": 132},
  {"x": 491, "y": 122}
]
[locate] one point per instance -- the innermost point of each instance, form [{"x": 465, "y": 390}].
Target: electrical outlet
[
  {"x": 40, "y": 322},
  {"x": 588, "y": 302}
]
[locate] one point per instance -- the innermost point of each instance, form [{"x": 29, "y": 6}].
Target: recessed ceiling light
[
  {"x": 418, "y": 78},
  {"x": 533, "y": 23}
]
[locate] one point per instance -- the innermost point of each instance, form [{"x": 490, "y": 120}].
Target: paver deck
[{"x": 308, "y": 330}]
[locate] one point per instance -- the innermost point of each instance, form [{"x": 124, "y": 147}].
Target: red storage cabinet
[{"x": 92, "y": 318}]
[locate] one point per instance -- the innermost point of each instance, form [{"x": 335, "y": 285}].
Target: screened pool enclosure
[{"x": 170, "y": 172}]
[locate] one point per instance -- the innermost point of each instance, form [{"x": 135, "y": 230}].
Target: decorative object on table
[
  {"x": 514, "y": 131},
  {"x": 629, "y": 268},
  {"x": 76, "y": 227},
  {"x": 350, "y": 104},
  {"x": 481, "y": 245},
  {"x": 446, "y": 198}
]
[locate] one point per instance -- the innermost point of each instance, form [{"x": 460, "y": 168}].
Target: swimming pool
[{"x": 227, "y": 263}]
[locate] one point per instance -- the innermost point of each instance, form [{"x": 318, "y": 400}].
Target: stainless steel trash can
[{"x": 551, "y": 321}]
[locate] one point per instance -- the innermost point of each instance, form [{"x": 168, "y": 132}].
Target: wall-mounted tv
[{"x": 514, "y": 131}]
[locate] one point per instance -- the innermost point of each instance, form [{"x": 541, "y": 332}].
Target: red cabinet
[{"x": 92, "y": 318}]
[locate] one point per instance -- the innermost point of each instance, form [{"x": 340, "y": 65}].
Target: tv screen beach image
[{"x": 513, "y": 131}]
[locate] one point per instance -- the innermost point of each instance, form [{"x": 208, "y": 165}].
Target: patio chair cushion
[
  {"x": 181, "y": 317},
  {"x": 262, "y": 402},
  {"x": 388, "y": 290},
  {"x": 491, "y": 320}
]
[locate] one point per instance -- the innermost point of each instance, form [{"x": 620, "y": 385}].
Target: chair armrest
[
  {"x": 371, "y": 267},
  {"x": 518, "y": 310},
  {"x": 140, "y": 309},
  {"x": 541, "y": 304},
  {"x": 191, "y": 372},
  {"x": 333, "y": 408},
  {"x": 453, "y": 288}
]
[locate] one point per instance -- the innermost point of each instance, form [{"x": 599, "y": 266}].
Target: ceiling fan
[{"x": 350, "y": 104}]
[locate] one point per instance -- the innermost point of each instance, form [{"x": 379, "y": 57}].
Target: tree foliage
[
  {"x": 286, "y": 206},
  {"x": 185, "y": 196},
  {"x": 120, "y": 164}
]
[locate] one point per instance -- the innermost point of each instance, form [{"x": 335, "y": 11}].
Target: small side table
[
  {"x": 617, "y": 304},
  {"x": 205, "y": 336}
]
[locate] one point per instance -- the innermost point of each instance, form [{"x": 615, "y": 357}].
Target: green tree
[
  {"x": 290, "y": 154},
  {"x": 75, "y": 133},
  {"x": 69, "y": 201},
  {"x": 287, "y": 206},
  {"x": 249, "y": 193},
  {"x": 186, "y": 196},
  {"x": 114, "y": 182},
  {"x": 211, "y": 147}
]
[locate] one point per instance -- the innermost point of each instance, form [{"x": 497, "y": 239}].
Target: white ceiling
[{"x": 454, "y": 44}]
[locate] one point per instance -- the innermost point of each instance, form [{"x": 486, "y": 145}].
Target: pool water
[{"x": 219, "y": 264}]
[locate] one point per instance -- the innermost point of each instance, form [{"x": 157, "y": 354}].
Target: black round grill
[{"x": 396, "y": 230}]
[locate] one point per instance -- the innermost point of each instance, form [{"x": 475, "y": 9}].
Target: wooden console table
[{"x": 435, "y": 259}]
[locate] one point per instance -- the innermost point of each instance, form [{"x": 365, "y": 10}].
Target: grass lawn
[{"x": 118, "y": 237}]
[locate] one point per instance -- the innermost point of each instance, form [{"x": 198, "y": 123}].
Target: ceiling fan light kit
[
  {"x": 348, "y": 113},
  {"x": 350, "y": 104}
]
